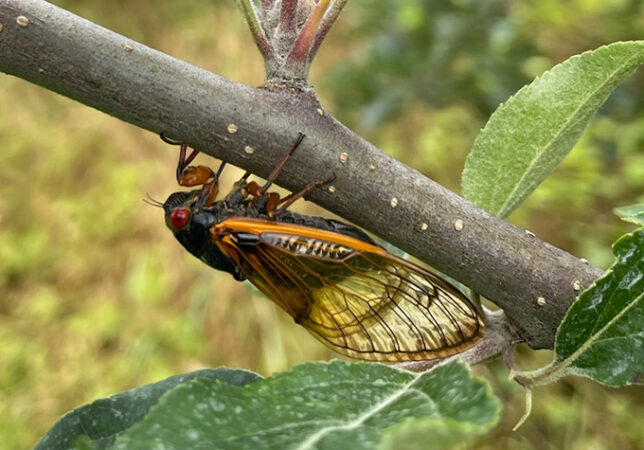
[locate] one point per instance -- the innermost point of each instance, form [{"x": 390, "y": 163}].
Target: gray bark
[{"x": 76, "y": 58}]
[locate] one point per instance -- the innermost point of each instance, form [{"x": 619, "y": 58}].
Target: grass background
[{"x": 96, "y": 296}]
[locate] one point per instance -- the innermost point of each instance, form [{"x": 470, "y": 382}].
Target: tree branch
[{"x": 67, "y": 54}]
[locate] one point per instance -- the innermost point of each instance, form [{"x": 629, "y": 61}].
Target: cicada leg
[
  {"x": 292, "y": 198},
  {"x": 273, "y": 200},
  {"x": 253, "y": 188},
  {"x": 189, "y": 176},
  {"x": 184, "y": 161}
]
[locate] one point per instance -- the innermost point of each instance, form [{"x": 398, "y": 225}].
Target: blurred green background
[{"x": 97, "y": 297}]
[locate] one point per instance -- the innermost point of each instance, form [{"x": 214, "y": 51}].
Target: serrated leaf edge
[
  {"x": 314, "y": 438},
  {"x": 511, "y": 202},
  {"x": 310, "y": 442},
  {"x": 501, "y": 211}
]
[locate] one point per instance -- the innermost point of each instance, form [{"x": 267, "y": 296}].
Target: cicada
[{"x": 330, "y": 277}]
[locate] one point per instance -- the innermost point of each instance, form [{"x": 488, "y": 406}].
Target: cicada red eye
[{"x": 179, "y": 218}]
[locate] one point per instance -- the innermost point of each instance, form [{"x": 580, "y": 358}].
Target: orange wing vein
[{"x": 355, "y": 297}]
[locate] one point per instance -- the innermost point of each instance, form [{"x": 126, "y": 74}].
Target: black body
[{"x": 195, "y": 237}]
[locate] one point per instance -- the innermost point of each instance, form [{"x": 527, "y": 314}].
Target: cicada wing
[{"x": 353, "y": 296}]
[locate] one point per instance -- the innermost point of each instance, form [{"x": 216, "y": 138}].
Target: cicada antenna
[{"x": 150, "y": 201}]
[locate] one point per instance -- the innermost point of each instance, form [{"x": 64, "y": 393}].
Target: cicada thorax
[
  {"x": 195, "y": 235},
  {"x": 331, "y": 277},
  {"x": 248, "y": 247}
]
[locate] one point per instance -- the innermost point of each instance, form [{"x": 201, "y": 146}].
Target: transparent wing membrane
[{"x": 353, "y": 296}]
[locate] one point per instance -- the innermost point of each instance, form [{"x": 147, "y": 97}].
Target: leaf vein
[
  {"x": 314, "y": 438},
  {"x": 596, "y": 336},
  {"x": 555, "y": 137}
]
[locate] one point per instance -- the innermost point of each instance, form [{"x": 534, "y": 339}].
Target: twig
[
  {"x": 267, "y": 4},
  {"x": 327, "y": 23},
  {"x": 300, "y": 51},
  {"x": 255, "y": 27},
  {"x": 142, "y": 86},
  {"x": 288, "y": 16}
]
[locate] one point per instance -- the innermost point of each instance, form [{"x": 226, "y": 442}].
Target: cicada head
[
  {"x": 178, "y": 210},
  {"x": 191, "y": 225}
]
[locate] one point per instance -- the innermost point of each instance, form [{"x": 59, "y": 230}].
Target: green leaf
[
  {"x": 336, "y": 405},
  {"x": 602, "y": 334},
  {"x": 633, "y": 214},
  {"x": 527, "y": 137},
  {"x": 96, "y": 425}
]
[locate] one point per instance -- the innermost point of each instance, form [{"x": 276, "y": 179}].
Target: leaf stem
[
  {"x": 302, "y": 46},
  {"x": 557, "y": 368},
  {"x": 528, "y": 408},
  {"x": 255, "y": 27},
  {"x": 329, "y": 19},
  {"x": 539, "y": 377},
  {"x": 288, "y": 16},
  {"x": 267, "y": 4}
]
